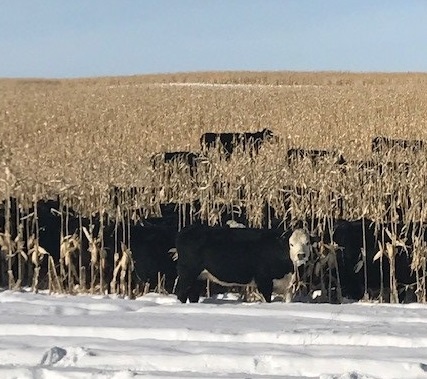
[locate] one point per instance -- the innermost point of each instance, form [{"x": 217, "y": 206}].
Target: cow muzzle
[{"x": 302, "y": 259}]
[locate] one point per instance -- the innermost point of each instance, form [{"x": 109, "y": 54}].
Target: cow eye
[{"x": 291, "y": 244}]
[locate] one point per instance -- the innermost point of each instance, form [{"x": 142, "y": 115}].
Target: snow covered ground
[{"x": 155, "y": 336}]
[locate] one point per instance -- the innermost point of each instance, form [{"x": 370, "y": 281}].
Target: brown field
[{"x": 78, "y": 137}]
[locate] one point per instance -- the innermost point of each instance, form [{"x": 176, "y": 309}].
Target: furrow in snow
[
  {"x": 200, "y": 365},
  {"x": 289, "y": 337}
]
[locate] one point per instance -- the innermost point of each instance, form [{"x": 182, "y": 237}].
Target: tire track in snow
[
  {"x": 254, "y": 365},
  {"x": 302, "y": 336},
  {"x": 72, "y": 337}
]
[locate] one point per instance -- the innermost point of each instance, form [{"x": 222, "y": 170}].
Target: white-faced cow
[
  {"x": 300, "y": 250},
  {"x": 234, "y": 257},
  {"x": 300, "y": 247},
  {"x": 249, "y": 142}
]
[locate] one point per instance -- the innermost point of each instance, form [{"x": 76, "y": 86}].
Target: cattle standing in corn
[
  {"x": 234, "y": 257},
  {"x": 382, "y": 145},
  {"x": 314, "y": 156},
  {"x": 248, "y": 142}
]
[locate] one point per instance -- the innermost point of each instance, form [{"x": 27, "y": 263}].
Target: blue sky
[{"x": 81, "y": 38}]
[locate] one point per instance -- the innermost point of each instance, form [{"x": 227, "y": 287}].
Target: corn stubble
[{"x": 79, "y": 138}]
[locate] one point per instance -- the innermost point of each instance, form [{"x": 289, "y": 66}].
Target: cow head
[
  {"x": 267, "y": 133},
  {"x": 299, "y": 247}
]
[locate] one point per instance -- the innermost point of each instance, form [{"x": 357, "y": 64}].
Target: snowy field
[{"x": 155, "y": 336}]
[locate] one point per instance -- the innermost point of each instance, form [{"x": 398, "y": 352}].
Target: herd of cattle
[
  {"x": 343, "y": 263},
  {"x": 251, "y": 143},
  {"x": 275, "y": 260},
  {"x": 227, "y": 143}
]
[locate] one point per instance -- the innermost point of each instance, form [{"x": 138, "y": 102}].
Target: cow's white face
[{"x": 299, "y": 247}]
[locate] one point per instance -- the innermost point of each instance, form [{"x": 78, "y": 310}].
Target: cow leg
[
  {"x": 182, "y": 289},
  {"x": 265, "y": 286},
  {"x": 195, "y": 290},
  {"x": 185, "y": 288}
]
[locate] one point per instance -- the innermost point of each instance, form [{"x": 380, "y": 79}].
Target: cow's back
[{"x": 231, "y": 253}]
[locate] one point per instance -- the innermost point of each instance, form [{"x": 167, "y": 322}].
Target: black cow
[
  {"x": 152, "y": 246},
  {"x": 230, "y": 256},
  {"x": 349, "y": 239},
  {"x": 15, "y": 215},
  {"x": 382, "y": 144},
  {"x": 314, "y": 155},
  {"x": 378, "y": 167},
  {"x": 126, "y": 195},
  {"x": 250, "y": 142},
  {"x": 45, "y": 233},
  {"x": 152, "y": 250}
]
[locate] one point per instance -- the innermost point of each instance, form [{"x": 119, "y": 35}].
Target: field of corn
[{"x": 75, "y": 140}]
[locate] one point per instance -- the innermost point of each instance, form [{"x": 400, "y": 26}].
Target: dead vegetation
[{"x": 79, "y": 138}]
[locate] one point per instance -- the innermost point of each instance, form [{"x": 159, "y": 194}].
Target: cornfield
[{"x": 76, "y": 140}]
